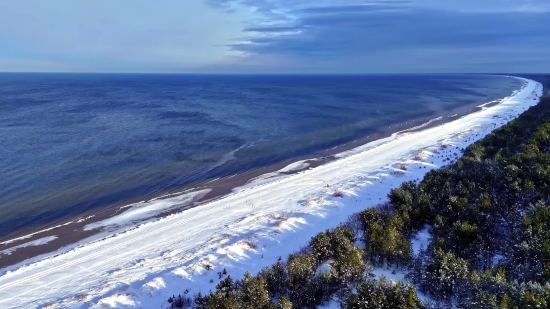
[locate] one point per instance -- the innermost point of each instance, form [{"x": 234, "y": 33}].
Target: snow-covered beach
[{"x": 246, "y": 230}]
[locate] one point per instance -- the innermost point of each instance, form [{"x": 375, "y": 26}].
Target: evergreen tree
[
  {"x": 284, "y": 303},
  {"x": 276, "y": 278},
  {"x": 444, "y": 272},
  {"x": 350, "y": 267},
  {"x": 254, "y": 294}
]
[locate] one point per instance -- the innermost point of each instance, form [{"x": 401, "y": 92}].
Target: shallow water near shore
[
  {"x": 245, "y": 230},
  {"x": 75, "y": 143}
]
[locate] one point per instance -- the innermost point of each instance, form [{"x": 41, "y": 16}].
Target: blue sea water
[{"x": 72, "y": 143}]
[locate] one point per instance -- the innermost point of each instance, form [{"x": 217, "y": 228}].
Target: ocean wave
[{"x": 170, "y": 255}]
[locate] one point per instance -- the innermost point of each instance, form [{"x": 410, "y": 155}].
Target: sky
[{"x": 275, "y": 36}]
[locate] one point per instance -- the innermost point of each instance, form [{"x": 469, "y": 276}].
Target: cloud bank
[
  {"x": 404, "y": 36},
  {"x": 277, "y": 36}
]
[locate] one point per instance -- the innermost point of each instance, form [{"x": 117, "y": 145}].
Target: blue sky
[{"x": 275, "y": 36}]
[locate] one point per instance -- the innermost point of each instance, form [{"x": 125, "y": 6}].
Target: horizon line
[{"x": 280, "y": 74}]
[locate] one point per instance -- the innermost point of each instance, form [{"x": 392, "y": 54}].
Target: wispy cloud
[
  {"x": 432, "y": 37},
  {"x": 276, "y": 35},
  {"x": 122, "y": 35}
]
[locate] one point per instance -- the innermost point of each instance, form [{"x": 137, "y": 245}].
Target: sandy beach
[
  {"x": 67, "y": 232},
  {"x": 142, "y": 254}
]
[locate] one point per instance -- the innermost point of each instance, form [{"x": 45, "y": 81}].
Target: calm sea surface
[{"x": 70, "y": 143}]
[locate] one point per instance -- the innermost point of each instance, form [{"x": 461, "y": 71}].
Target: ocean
[{"x": 76, "y": 143}]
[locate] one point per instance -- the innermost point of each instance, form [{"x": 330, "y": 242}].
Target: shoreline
[
  {"x": 70, "y": 231},
  {"x": 145, "y": 265}
]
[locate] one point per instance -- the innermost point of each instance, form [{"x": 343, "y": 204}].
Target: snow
[
  {"x": 140, "y": 211},
  {"x": 117, "y": 300},
  {"x": 497, "y": 259},
  {"x": 332, "y": 304},
  {"x": 246, "y": 230},
  {"x": 390, "y": 274},
  {"x": 294, "y": 167},
  {"x": 37, "y": 242},
  {"x": 421, "y": 240},
  {"x": 32, "y": 234},
  {"x": 396, "y": 275},
  {"x": 269, "y": 177},
  {"x": 325, "y": 267}
]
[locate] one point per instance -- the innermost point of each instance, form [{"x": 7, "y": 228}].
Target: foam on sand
[
  {"x": 37, "y": 242},
  {"x": 268, "y": 177},
  {"x": 140, "y": 211},
  {"x": 246, "y": 230}
]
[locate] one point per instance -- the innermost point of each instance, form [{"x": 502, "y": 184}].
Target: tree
[
  {"x": 444, "y": 272},
  {"x": 350, "y": 267},
  {"x": 342, "y": 241},
  {"x": 332, "y": 244},
  {"x": 284, "y": 303},
  {"x": 485, "y": 301},
  {"x": 276, "y": 278},
  {"x": 218, "y": 300},
  {"x": 254, "y": 294},
  {"x": 530, "y": 257},
  {"x": 300, "y": 268},
  {"x": 386, "y": 242},
  {"x": 463, "y": 239},
  {"x": 321, "y": 246},
  {"x": 305, "y": 288},
  {"x": 180, "y": 302},
  {"x": 382, "y": 294},
  {"x": 507, "y": 303}
]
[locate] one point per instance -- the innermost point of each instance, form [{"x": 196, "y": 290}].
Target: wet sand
[{"x": 72, "y": 231}]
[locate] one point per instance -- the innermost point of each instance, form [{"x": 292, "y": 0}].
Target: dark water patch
[
  {"x": 73, "y": 143},
  {"x": 182, "y": 115}
]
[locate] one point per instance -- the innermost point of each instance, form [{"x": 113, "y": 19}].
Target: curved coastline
[
  {"x": 89, "y": 226},
  {"x": 86, "y": 181},
  {"x": 306, "y": 196}
]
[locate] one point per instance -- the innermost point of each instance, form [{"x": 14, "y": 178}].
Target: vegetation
[{"x": 489, "y": 220}]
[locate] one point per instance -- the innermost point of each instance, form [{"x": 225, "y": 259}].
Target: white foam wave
[
  {"x": 245, "y": 230},
  {"x": 144, "y": 210},
  {"x": 37, "y": 242},
  {"x": 269, "y": 177}
]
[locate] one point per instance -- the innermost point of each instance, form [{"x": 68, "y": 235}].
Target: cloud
[
  {"x": 123, "y": 35},
  {"x": 272, "y": 29},
  {"x": 346, "y": 9},
  {"x": 262, "y": 36},
  {"x": 361, "y": 37},
  {"x": 391, "y": 30}
]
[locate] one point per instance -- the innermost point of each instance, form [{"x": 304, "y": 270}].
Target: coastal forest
[{"x": 488, "y": 217}]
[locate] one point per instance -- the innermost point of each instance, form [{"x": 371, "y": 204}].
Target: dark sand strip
[{"x": 73, "y": 232}]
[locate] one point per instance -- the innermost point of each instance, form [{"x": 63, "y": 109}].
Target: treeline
[
  {"x": 489, "y": 222},
  {"x": 489, "y": 219},
  {"x": 330, "y": 265}
]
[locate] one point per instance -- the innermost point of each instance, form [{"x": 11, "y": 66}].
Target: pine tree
[
  {"x": 350, "y": 267},
  {"x": 284, "y": 303},
  {"x": 254, "y": 293},
  {"x": 276, "y": 278},
  {"x": 320, "y": 244},
  {"x": 507, "y": 303},
  {"x": 443, "y": 271}
]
